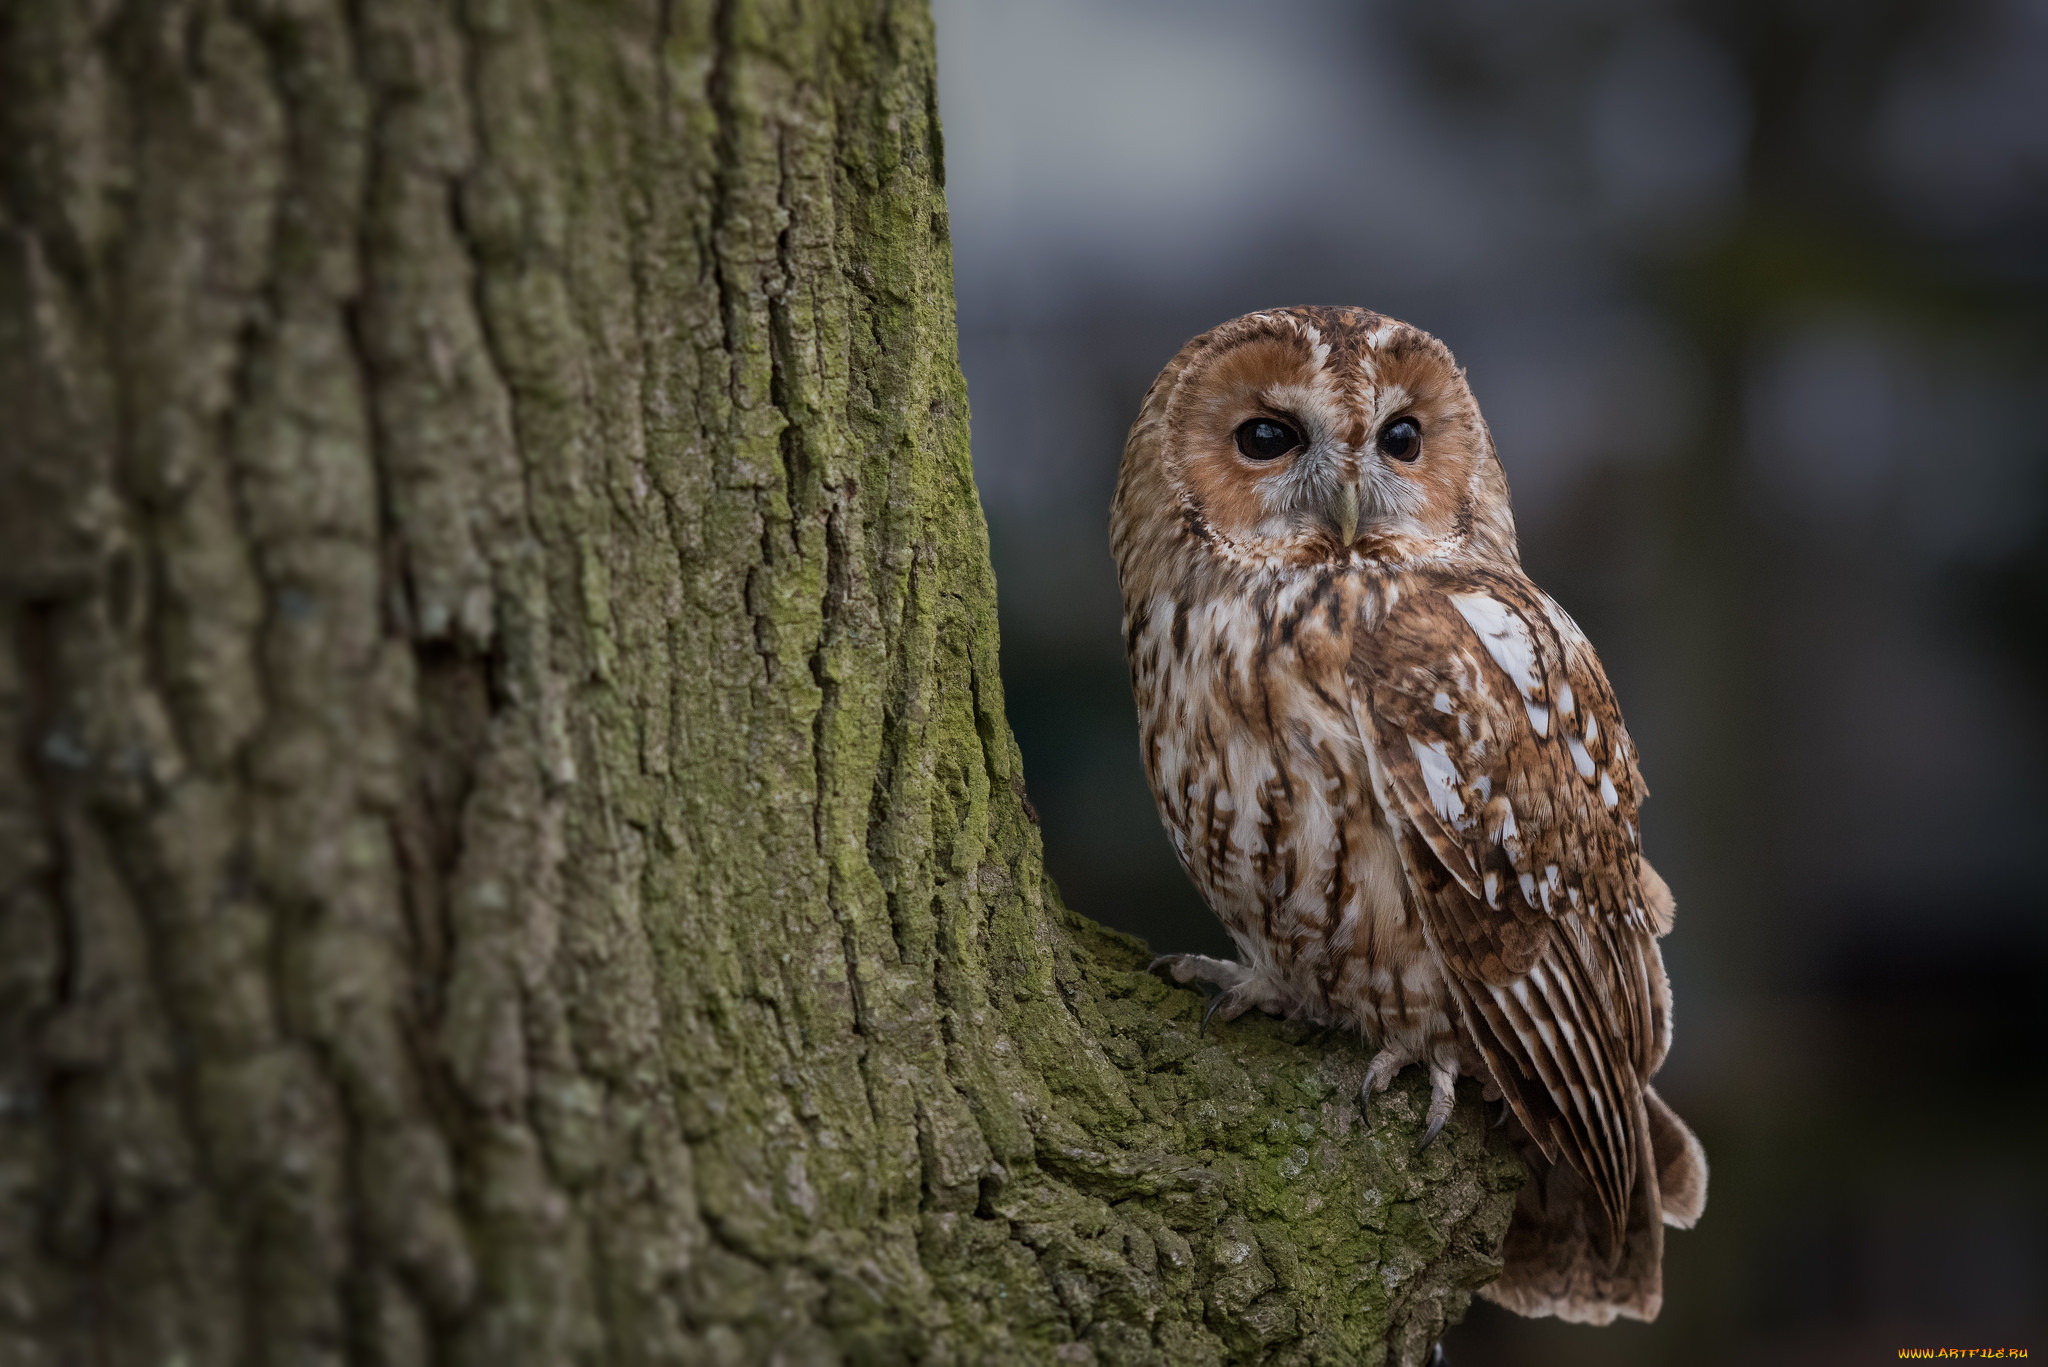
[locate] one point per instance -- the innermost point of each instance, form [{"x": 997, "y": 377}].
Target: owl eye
[
  {"x": 1401, "y": 439},
  {"x": 1266, "y": 439}
]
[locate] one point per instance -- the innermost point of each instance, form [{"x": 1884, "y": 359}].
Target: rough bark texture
[{"x": 510, "y": 847}]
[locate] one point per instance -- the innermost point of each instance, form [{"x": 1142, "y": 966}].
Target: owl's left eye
[
  {"x": 1266, "y": 439},
  {"x": 1401, "y": 439}
]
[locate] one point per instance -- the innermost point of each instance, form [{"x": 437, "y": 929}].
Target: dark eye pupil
[
  {"x": 1401, "y": 439},
  {"x": 1266, "y": 439}
]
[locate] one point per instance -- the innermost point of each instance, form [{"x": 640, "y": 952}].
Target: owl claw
[
  {"x": 1231, "y": 1002},
  {"x": 1215, "y": 1005},
  {"x": 1378, "y": 1074},
  {"x": 1443, "y": 1095}
]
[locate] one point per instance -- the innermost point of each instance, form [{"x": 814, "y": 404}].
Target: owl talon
[
  {"x": 1232, "y": 1003},
  {"x": 1443, "y": 1095},
  {"x": 1215, "y": 1005},
  {"x": 1378, "y": 1074}
]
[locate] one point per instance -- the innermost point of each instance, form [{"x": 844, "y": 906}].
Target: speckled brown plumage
[{"x": 1395, "y": 770}]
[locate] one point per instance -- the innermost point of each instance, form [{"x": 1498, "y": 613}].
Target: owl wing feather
[{"x": 1500, "y": 757}]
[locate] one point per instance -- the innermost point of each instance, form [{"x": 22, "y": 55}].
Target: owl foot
[
  {"x": 1443, "y": 1094},
  {"x": 1233, "y": 977},
  {"x": 1200, "y": 968},
  {"x": 1241, "y": 992}
]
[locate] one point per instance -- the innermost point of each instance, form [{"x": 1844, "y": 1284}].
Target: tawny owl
[{"x": 1394, "y": 769}]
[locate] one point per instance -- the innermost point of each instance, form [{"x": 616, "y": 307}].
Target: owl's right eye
[{"x": 1266, "y": 439}]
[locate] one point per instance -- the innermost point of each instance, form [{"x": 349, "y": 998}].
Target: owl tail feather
[
  {"x": 1681, "y": 1164},
  {"x": 1557, "y": 1256}
]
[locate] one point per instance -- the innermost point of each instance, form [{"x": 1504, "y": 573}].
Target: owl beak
[{"x": 1347, "y": 514}]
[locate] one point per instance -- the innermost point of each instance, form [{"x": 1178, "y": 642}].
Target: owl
[{"x": 1394, "y": 769}]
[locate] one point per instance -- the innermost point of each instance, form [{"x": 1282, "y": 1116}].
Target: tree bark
[{"x": 510, "y": 846}]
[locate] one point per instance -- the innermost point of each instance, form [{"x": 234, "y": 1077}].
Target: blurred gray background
[{"x": 1752, "y": 295}]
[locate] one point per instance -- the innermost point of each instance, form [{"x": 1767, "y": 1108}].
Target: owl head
[{"x": 1307, "y": 437}]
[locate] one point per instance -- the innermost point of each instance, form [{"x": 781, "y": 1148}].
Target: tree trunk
[{"x": 510, "y": 846}]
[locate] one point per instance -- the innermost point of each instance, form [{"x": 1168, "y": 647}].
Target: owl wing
[{"x": 1500, "y": 757}]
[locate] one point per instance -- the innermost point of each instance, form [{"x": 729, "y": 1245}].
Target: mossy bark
[{"x": 510, "y": 847}]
